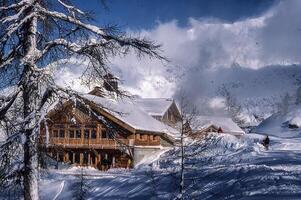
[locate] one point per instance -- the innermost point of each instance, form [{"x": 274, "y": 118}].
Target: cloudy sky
[{"x": 200, "y": 38}]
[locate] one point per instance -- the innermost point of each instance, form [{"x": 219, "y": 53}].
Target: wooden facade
[
  {"x": 71, "y": 135},
  {"x": 171, "y": 116}
]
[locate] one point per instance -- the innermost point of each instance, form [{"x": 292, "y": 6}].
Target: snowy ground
[{"x": 223, "y": 167}]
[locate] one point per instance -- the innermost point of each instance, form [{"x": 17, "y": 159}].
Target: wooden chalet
[
  {"x": 103, "y": 133},
  {"x": 211, "y": 124}
]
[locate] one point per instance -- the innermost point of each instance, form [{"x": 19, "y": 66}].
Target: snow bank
[
  {"x": 285, "y": 125},
  {"x": 221, "y": 167}
]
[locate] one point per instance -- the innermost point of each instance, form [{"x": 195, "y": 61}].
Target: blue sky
[{"x": 137, "y": 14}]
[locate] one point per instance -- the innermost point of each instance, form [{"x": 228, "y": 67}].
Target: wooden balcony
[
  {"x": 147, "y": 142},
  {"x": 89, "y": 143}
]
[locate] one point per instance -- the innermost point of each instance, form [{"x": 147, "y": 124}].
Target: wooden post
[
  {"x": 73, "y": 155},
  {"x": 98, "y": 132},
  {"x": 81, "y": 159},
  {"x": 66, "y": 134},
  {"x": 96, "y": 159},
  {"x": 113, "y": 162},
  {"x": 99, "y": 160},
  {"x": 82, "y": 135}
]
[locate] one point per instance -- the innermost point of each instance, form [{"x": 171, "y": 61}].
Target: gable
[
  {"x": 172, "y": 114},
  {"x": 68, "y": 114}
]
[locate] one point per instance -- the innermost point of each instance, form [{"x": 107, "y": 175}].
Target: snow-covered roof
[
  {"x": 154, "y": 106},
  {"x": 130, "y": 113},
  {"x": 227, "y": 124}
]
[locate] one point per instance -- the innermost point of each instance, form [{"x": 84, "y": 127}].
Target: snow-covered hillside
[
  {"x": 222, "y": 167},
  {"x": 257, "y": 91},
  {"x": 283, "y": 124}
]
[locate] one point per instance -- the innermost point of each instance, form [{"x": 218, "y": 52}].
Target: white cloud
[
  {"x": 208, "y": 44},
  {"x": 217, "y": 103}
]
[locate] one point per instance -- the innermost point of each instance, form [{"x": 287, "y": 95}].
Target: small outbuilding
[{"x": 208, "y": 124}]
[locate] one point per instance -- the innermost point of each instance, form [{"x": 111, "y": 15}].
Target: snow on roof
[
  {"x": 227, "y": 124},
  {"x": 132, "y": 115},
  {"x": 154, "y": 106}
]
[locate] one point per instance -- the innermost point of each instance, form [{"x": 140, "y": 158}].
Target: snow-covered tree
[
  {"x": 34, "y": 34},
  {"x": 232, "y": 107},
  {"x": 186, "y": 124},
  {"x": 285, "y": 103}
]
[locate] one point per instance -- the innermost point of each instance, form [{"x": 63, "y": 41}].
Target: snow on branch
[
  {"x": 144, "y": 46},
  {"x": 13, "y": 6},
  {"x": 71, "y": 46},
  {"x": 9, "y": 58},
  {"x": 72, "y": 20},
  {"x": 70, "y": 8},
  {"x": 11, "y": 99},
  {"x": 6, "y": 62},
  {"x": 15, "y": 26},
  {"x": 14, "y": 17}
]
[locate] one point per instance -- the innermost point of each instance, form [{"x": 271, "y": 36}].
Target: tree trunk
[
  {"x": 30, "y": 144},
  {"x": 30, "y": 167},
  {"x": 30, "y": 97}
]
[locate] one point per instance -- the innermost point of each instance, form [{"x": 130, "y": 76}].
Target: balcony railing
[
  {"x": 102, "y": 143},
  {"x": 147, "y": 142}
]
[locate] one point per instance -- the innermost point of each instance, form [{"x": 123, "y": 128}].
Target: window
[
  {"x": 103, "y": 134},
  {"x": 93, "y": 134},
  {"x": 71, "y": 134},
  {"x": 93, "y": 158},
  {"x": 78, "y": 133},
  {"x": 151, "y": 137},
  {"x": 61, "y": 157},
  {"x": 85, "y": 158},
  {"x": 55, "y": 133},
  {"x": 70, "y": 156},
  {"x": 145, "y": 137},
  {"x": 110, "y": 135},
  {"x": 62, "y": 133},
  {"x": 77, "y": 158},
  {"x": 86, "y": 133}
]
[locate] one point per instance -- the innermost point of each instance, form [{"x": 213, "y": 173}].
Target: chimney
[{"x": 110, "y": 83}]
